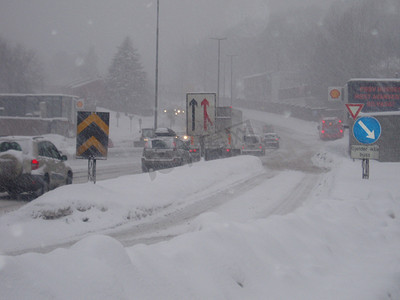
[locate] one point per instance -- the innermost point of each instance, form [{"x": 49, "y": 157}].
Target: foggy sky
[{"x": 51, "y": 26}]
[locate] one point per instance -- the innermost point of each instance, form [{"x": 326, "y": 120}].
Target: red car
[{"x": 331, "y": 128}]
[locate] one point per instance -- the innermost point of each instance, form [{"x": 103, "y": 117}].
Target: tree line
[
  {"x": 325, "y": 45},
  {"x": 126, "y": 84},
  {"x": 350, "y": 39}
]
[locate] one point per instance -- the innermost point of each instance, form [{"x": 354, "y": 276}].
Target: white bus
[{"x": 37, "y": 114}]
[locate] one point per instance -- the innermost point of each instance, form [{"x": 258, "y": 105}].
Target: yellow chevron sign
[
  {"x": 92, "y": 142},
  {"x": 92, "y": 134},
  {"x": 93, "y": 118}
]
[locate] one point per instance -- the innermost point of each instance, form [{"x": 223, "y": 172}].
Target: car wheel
[
  {"x": 13, "y": 194},
  {"x": 43, "y": 188},
  {"x": 10, "y": 166},
  {"x": 69, "y": 178}
]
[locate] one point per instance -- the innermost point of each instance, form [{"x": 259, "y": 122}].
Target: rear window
[
  {"x": 5, "y": 146},
  {"x": 161, "y": 144},
  {"x": 148, "y": 132},
  {"x": 251, "y": 139},
  {"x": 270, "y": 136},
  {"x": 21, "y": 145}
]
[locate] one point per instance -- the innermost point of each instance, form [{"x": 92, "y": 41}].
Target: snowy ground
[{"x": 342, "y": 243}]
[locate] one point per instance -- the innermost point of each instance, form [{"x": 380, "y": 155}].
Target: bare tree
[{"x": 20, "y": 69}]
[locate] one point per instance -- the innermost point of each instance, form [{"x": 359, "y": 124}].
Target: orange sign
[
  {"x": 80, "y": 104},
  {"x": 334, "y": 93}
]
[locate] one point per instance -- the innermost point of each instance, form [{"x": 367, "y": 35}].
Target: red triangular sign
[{"x": 354, "y": 109}]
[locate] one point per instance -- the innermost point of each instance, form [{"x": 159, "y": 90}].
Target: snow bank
[
  {"x": 72, "y": 211},
  {"x": 342, "y": 245}
]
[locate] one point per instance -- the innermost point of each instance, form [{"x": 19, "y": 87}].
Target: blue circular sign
[{"x": 367, "y": 130}]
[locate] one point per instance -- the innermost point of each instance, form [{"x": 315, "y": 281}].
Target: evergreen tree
[{"x": 126, "y": 81}]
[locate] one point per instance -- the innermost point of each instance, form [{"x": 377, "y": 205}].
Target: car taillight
[{"x": 34, "y": 164}]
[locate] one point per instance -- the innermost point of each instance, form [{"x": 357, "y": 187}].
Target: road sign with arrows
[
  {"x": 200, "y": 114},
  {"x": 367, "y": 130},
  {"x": 92, "y": 135}
]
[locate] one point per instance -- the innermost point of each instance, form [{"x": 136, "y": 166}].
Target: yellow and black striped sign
[{"x": 92, "y": 134}]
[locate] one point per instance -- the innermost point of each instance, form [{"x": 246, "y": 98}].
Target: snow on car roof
[{"x": 24, "y": 141}]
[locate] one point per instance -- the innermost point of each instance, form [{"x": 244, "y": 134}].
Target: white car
[
  {"x": 31, "y": 164},
  {"x": 253, "y": 145}
]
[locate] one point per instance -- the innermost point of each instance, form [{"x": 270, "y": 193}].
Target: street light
[
  {"x": 231, "y": 56},
  {"x": 219, "y": 54},
  {"x": 156, "y": 80}
]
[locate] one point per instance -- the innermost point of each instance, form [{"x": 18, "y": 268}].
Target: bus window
[
  {"x": 13, "y": 106},
  {"x": 32, "y": 108}
]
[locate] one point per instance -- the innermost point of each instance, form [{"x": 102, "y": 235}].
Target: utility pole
[
  {"x": 156, "y": 79},
  {"x": 231, "y": 56},
  {"x": 219, "y": 54}
]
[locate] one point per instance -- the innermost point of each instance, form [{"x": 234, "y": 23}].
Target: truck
[
  {"x": 145, "y": 134},
  {"x": 227, "y": 139},
  {"x": 38, "y": 114}
]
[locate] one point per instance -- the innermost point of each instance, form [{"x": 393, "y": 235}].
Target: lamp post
[
  {"x": 231, "y": 56},
  {"x": 156, "y": 80},
  {"x": 219, "y": 54}
]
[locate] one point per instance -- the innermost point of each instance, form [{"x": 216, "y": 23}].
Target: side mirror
[{"x": 64, "y": 157}]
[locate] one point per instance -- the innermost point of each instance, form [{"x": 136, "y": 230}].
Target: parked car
[
  {"x": 165, "y": 152},
  {"x": 271, "y": 140},
  {"x": 252, "y": 144},
  {"x": 31, "y": 164}
]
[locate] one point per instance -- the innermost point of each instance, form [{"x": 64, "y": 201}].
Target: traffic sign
[
  {"x": 364, "y": 151},
  {"x": 200, "y": 113},
  {"x": 354, "y": 109},
  {"x": 92, "y": 135},
  {"x": 335, "y": 93},
  {"x": 367, "y": 130}
]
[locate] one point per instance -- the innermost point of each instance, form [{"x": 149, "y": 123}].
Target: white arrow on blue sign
[{"x": 367, "y": 130}]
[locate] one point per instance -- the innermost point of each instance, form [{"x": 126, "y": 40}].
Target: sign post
[
  {"x": 366, "y": 131},
  {"x": 200, "y": 115},
  {"x": 92, "y": 138},
  {"x": 201, "y": 112}
]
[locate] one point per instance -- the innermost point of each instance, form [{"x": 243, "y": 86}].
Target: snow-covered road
[{"x": 284, "y": 182}]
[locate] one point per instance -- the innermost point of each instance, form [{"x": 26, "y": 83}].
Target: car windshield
[{"x": 162, "y": 144}]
